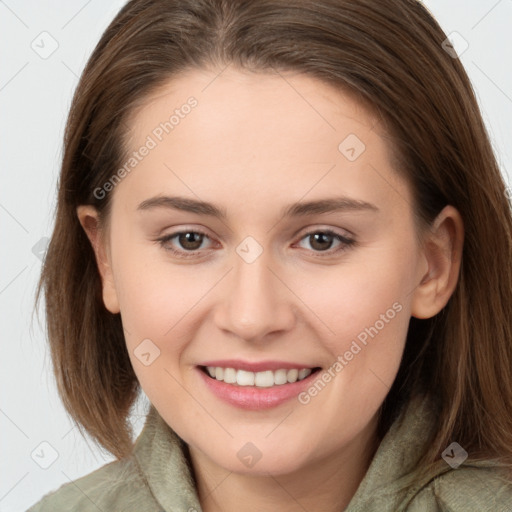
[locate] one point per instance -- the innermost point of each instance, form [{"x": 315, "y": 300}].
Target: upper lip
[{"x": 256, "y": 366}]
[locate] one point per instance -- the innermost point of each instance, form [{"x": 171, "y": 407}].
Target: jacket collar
[
  {"x": 387, "y": 479},
  {"x": 160, "y": 453}
]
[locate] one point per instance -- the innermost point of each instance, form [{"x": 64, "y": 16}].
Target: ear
[
  {"x": 443, "y": 253},
  {"x": 89, "y": 219}
]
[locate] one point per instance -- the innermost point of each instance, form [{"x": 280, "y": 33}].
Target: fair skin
[{"x": 254, "y": 144}]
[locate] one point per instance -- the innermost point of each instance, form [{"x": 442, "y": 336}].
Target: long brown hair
[{"x": 391, "y": 56}]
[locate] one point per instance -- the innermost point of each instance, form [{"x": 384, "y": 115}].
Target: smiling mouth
[{"x": 264, "y": 379}]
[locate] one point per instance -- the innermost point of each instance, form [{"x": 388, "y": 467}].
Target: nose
[{"x": 255, "y": 301}]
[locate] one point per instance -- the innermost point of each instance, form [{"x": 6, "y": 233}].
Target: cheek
[
  {"x": 366, "y": 307},
  {"x": 368, "y": 316},
  {"x": 153, "y": 291},
  {"x": 157, "y": 307},
  {"x": 371, "y": 295},
  {"x": 156, "y": 300}
]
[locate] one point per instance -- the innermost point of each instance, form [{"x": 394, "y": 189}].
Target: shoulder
[
  {"x": 115, "y": 486},
  {"x": 481, "y": 488}
]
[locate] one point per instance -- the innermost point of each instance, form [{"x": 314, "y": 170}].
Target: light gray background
[{"x": 35, "y": 94}]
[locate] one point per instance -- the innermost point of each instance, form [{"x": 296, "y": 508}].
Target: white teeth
[
  {"x": 304, "y": 373},
  {"x": 263, "y": 379},
  {"x": 292, "y": 375},
  {"x": 229, "y": 375},
  {"x": 244, "y": 378},
  {"x": 280, "y": 377}
]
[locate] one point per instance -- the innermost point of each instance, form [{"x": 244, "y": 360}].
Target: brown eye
[
  {"x": 190, "y": 240},
  {"x": 323, "y": 240},
  {"x": 183, "y": 244}
]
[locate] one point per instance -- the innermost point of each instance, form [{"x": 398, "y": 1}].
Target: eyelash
[{"x": 346, "y": 243}]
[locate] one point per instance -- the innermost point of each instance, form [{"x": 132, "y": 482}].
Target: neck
[{"x": 327, "y": 484}]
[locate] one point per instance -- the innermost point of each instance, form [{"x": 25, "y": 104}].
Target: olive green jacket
[{"x": 158, "y": 478}]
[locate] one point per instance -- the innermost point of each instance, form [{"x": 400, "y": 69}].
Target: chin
[{"x": 249, "y": 460}]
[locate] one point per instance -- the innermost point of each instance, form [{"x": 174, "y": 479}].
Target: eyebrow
[{"x": 298, "y": 209}]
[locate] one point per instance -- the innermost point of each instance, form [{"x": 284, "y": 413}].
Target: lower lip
[{"x": 254, "y": 398}]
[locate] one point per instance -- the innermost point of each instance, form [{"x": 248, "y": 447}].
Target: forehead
[
  {"x": 249, "y": 136},
  {"x": 303, "y": 97}
]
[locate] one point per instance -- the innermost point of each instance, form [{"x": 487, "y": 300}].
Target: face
[{"x": 303, "y": 264}]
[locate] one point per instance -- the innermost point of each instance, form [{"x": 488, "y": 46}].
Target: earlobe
[
  {"x": 89, "y": 220},
  {"x": 443, "y": 253}
]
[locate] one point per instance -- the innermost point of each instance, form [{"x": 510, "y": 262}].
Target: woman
[{"x": 284, "y": 223}]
